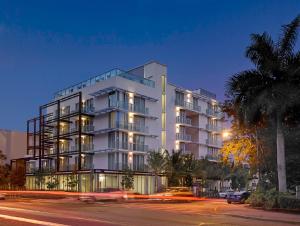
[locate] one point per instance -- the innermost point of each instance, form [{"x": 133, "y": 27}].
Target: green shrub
[
  {"x": 288, "y": 202},
  {"x": 271, "y": 199},
  {"x": 257, "y": 199},
  {"x": 266, "y": 199}
]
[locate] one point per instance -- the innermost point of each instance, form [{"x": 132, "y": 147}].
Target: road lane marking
[
  {"x": 32, "y": 221},
  {"x": 42, "y": 213}
]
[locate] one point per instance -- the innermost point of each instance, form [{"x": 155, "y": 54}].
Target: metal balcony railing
[
  {"x": 184, "y": 137},
  {"x": 183, "y": 120}
]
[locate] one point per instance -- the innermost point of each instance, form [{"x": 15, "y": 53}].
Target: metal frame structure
[{"x": 44, "y": 131}]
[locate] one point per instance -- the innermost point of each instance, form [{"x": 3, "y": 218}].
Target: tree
[
  {"x": 269, "y": 93},
  {"x": 175, "y": 167},
  {"x": 72, "y": 181},
  {"x": 128, "y": 179},
  {"x": 4, "y": 171},
  {"x": 157, "y": 164},
  {"x": 39, "y": 178},
  {"x": 241, "y": 147},
  {"x": 52, "y": 181}
]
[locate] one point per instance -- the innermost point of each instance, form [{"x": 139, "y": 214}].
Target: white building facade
[{"x": 123, "y": 116}]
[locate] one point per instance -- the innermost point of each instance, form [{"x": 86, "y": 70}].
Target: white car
[{"x": 225, "y": 194}]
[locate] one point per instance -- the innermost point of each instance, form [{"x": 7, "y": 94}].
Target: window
[
  {"x": 139, "y": 104},
  {"x": 179, "y": 98},
  {"x": 138, "y": 162}
]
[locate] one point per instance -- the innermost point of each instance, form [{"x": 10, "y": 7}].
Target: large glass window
[
  {"x": 179, "y": 98},
  {"x": 139, "y": 104}
]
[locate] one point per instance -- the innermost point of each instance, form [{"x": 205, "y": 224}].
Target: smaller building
[{"x": 13, "y": 144}]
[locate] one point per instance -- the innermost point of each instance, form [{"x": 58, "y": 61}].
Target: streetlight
[{"x": 226, "y": 134}]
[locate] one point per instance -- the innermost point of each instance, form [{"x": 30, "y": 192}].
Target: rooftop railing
[{"x": 103, "y": 77}]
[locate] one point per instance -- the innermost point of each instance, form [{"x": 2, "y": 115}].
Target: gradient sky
[{"x": 48, "y": 45}]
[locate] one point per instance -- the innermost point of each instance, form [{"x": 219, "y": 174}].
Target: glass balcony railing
[
  {"x": 129, "y": 107},
  {"x": 183, "y": 120},
  {"x": 188, "y": 105},
  {"x": 128, "y": 146},
  {"x": 213, "y": 128},
  {"x": 103, "y": 77},
  {"x": 214, "y": 113},
  {"x": 213, "y": 142},
  {"x": 84, "y": 129},
  {"x": 139, "y": 147},
  {"x": 118, "y": 145},
  {"x": 184, "y": 137},
  {"x": 84, "y": 147},
  {"x": 131, "y": 127}
]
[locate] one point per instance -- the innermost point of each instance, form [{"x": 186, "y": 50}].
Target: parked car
[
  {"x": 238, "y": 197},
  {"x": 224, "y": 194}
]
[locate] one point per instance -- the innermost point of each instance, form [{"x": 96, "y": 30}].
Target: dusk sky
[{"x": 48, "y": 45}]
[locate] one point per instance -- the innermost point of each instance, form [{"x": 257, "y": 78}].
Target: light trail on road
[{"x": 31, "y": 221}]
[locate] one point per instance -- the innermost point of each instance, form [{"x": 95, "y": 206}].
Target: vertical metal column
[
  {"x": 40, "y": 139},
  {"x": 79, "y": 130},
  {"x": 27, "y": 141},
  {"x": 34, "y": 137},
  {"x": 57, "y": 137}
]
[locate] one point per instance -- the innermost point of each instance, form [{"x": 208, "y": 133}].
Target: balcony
[
  {"x": 183, "y": 120},
  {"x": 128, "y": 107},
  {"x": 84, "y": 148},
  {"x": 139, "y": 147},
  {"x": 214, "y": 113},
  {"x": 118, "y": 145},
  {"x": 84, "y": 129},
  {"x": 213, "y": 142},
  {"x": 128, "y": 146},
  {"x": 188, "y": 105},
  {"x": 183, "y": 137},
  {"x": 84, "y": 109},
  {"x": 213, "y": 128},
  {"x": 132, "y": 127}
]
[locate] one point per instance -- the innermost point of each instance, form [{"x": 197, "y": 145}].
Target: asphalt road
[{"x": 73, "y": 212}]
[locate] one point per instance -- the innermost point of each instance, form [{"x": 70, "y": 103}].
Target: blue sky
[{"x": 48, "y": 45}]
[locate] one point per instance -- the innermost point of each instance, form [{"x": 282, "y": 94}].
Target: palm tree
[
  {"x": 157, "y": 164},
  {"x": 269, "y": 92}
]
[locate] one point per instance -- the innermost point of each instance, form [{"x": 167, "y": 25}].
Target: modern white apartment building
[{"x": 122, "y": 116}]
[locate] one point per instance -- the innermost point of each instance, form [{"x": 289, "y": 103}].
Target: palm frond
[
  {"x": 288, "y": 38},
  {"x": 262, "y": 51}
]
